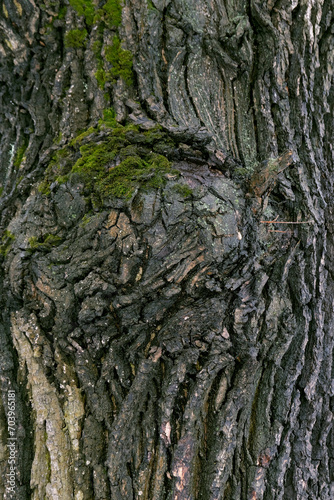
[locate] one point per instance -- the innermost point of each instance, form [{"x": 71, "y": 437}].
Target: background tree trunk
[{"x": 169, "y": 344}]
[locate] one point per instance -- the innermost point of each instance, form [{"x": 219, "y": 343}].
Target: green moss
[
  {"x": 47, "y": 242},
  {"x": 121, "y": 61},
  {"x": 78, "y": 139},
  {"x": 62, "y": 13},
  {"x": 98, "y": 170},
  {"x": 86, "y": 219},
  {"x": 44, "y": 187},
  {"x": 130, "y": 150},
  {"x": 183, "y": 190},
  {"x": 33, "y": 243},
  {"x": 111, "y": 13},
  {"x": 121, "y": 180},
  {"x": 84, "y": 8},
  {"x": 100, "y": 76},
  {"x": 60, "y": 164},
  {"x": 20, "y": 153},
  {"x": 76, "y": 38},
  {"x": 57, "y": 140},
  {"x": 124, "y": 132},
  {"x": 96, "y": 48},
  {"x": 154, "y": 136},
  {"x": 61, "y": 179},
  {"x": 90, "y": 165},
  {"x": 109, "y": 118},
  {"x": 151, "y": 6},
  {"x": 6, "y": 242},
  {"x": 114, "y": 167},
  {"x": 19, "y": 180},
  {"x": 52, "y": 240}
]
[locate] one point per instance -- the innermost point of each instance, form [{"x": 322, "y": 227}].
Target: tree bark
[{"x": 172, "y": 339}]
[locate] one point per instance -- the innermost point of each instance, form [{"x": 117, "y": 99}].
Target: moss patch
[
  {"x": 110, "y": 13},
  {"x": 47, "y": 242},
  {"x": 109, "y": 118},
  {"x": 86, "y": 219},
  {"x": 57, "y": 140},
  {"x": 108, "y": 170},
  {"x": 100, "y": 76},
  {"x": 124, "y": 160},
  {"x": 44, "y": 187},
  {"x": 82, "y": 135},
  {"x": 20, "y": 153},
  {"x": 133, "y": 171},
  {"x": 62, "y": 13},
  {"x": 60, "y": 164},
  {"x": 121, "y": 61},
  {"x": 183, "y": 190},
  {"x": 76, "y": 38},
  {"x": 151, "y": 6},
  {"x": 117, "y": 61},
  {"x": 121, "y": 65},
  {"x": 84, "y": 8},
  {"x": 6, "y": 242}
]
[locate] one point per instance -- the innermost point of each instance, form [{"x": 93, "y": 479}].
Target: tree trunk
[{"x": 167, "y": 241}]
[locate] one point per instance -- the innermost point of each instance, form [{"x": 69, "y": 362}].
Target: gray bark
[{"x": 174, "y": 344}]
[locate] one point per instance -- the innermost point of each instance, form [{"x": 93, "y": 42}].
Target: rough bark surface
[{"x": 174, "y": 343}]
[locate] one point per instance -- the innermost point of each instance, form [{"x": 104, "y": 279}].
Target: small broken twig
[
  {"x": 284, "y": 222},
  {"x": 277, "y": 231}
]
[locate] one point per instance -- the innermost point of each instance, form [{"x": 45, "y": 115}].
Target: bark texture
[{"x": 171, "y": 343}]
